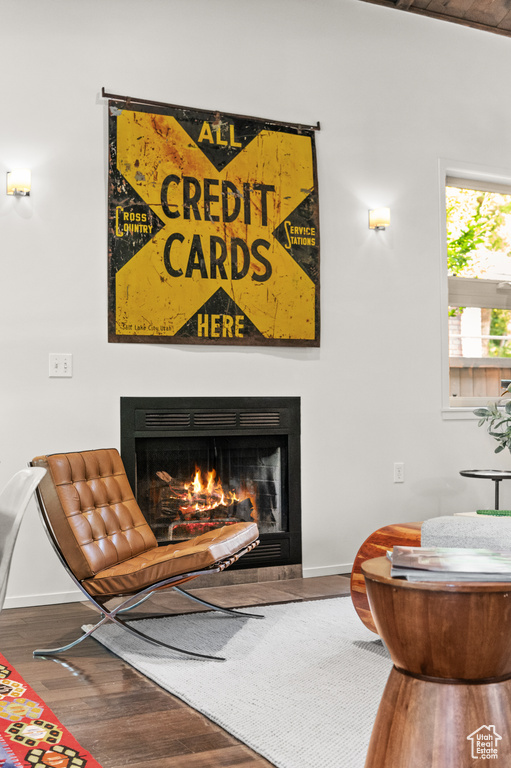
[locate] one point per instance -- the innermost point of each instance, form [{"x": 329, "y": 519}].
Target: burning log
[
  {"x": 199, "y": 500},
  {"x": 171, "y": 508},
  {"x": 174, "y": 487}
]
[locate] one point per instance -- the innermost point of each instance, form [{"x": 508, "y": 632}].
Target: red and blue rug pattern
[{"x": 30, "y": 734}]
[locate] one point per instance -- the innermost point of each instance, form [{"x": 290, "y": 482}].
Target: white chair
[{"x": 13, "y": 502}]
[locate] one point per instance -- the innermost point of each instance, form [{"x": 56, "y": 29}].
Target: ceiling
[{"x": 490, "y": 15}]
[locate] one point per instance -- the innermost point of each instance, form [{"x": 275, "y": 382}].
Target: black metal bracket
[{"x": 132, "y": 100}]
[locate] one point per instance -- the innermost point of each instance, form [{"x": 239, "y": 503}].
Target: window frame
[{"x": 484, "y": 179}]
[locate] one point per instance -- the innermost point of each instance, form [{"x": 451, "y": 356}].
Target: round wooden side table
[{"x": 447, "y": 702}]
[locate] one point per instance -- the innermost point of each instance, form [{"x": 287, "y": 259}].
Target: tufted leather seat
[
  {"x": 160, "y": 563},
  {"x": 101, "y": 535}
]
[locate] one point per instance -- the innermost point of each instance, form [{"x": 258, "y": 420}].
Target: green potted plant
[{"x": 498, "y": 421}]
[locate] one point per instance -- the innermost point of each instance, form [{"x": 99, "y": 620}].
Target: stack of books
[{"x": 449, "y": 564}]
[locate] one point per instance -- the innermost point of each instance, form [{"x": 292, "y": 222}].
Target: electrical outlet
[
  {"x": 60, "y": 365},
  {"x": 399, "y": 472}
]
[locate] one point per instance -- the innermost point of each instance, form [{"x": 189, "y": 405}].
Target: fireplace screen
[{"x": 187, "y": 486}]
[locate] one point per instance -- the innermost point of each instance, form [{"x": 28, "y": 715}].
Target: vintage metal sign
[{"x": 213, "y": 229}]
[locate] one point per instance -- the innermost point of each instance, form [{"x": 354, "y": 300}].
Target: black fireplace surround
[{"x": 198, "y": 463}]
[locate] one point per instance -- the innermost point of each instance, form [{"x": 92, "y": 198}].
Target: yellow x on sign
[{"x": 212, "y": 247}]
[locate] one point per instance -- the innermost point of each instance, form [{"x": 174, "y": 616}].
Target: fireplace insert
[{"x": 197, "y": 464}]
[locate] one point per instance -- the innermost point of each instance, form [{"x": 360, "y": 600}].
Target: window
[{"x": 479, "y": 290}]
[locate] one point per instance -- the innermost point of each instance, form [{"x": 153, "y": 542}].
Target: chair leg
[
  {"x": 51, "y": 651},
  {"x": 113, "y": 617},
  {"x": 135, "y": 605},
  {"x": 228, "y": 611},
  {"x": 125, "y": 606}
]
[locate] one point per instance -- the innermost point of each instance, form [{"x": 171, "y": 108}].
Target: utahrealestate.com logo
[{"x": 485, "y": 743}]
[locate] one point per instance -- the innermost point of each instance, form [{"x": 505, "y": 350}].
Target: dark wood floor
[{"x": 121, "y": 717}]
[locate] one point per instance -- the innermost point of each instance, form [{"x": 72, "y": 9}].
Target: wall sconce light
[
  {"x": 19, "y": 182},
  {"x": 379, "y": 218}
]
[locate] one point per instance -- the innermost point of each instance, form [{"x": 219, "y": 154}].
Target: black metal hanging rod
[{"x": 129, "y": 100}]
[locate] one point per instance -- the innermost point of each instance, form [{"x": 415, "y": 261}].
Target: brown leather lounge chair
[{"x": 106, "y": 545}]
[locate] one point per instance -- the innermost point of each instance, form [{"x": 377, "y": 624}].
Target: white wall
[{"x": 394, "y": 93}]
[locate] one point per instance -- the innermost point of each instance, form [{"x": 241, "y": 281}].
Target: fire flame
[
  {"x": 203, "y": 495},
  {"x": 200, "y": 496}
]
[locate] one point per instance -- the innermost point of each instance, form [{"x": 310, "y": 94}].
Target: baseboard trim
[
  {"x": 28, "y": 601},
  {"x": 327, "y": 570}
]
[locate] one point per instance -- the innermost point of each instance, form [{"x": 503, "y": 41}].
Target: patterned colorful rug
[{"x": 30, "y": 734}]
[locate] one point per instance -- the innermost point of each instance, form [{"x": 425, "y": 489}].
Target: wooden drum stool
[
  {"x": 376, "y": 545},
  {"x": 447, "y": 702}
]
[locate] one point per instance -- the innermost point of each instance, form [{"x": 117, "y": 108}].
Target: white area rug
[{"x": 300, "y": 687}]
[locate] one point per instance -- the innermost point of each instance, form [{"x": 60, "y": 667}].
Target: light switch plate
[
  {"x": 399, "y": 472},
  {"x": 60, "y": 365}
]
